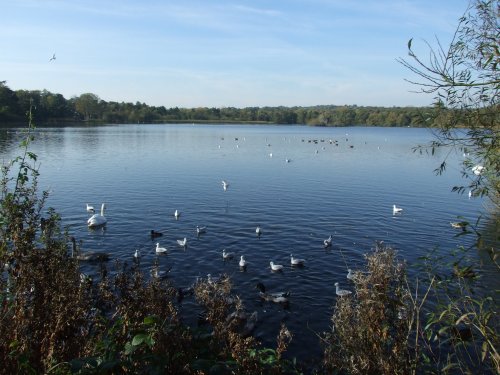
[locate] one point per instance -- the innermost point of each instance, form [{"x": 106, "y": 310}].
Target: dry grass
[{"x": 370, "y": 329}]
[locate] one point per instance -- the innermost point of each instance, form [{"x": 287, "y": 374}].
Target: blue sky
[{"x": 204, "y": 53}]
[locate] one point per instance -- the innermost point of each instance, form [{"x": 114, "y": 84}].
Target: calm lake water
[{"x": 344, "y": 185}]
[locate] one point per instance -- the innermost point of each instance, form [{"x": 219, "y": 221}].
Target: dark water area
[{"x": 299, "y": 184}]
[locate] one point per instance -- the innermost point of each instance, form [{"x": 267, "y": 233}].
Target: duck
[
  {"x": 276, "y": 267},
  {"x": 157, "y": 274},
  {"x": 97, "y": 220},
  {"x": 225, "y": 184},
  {"x": 276, "y": 297},
  {"x": 296, "y": 261},
  {"x": 200, "y": 230},
  {"x": 90, "y": 208},
  {"x": 155, "y": 234},
  {"x": 243, "y": 262},
  {"x": 227, "y": 255},
  {"x": 182, "y": 242},
  {"x": 341, "y": 292},
  {"x": 396, "y": 209},
  {"x": 177, "y": 214},
  {"x": 459, "y": 225},
  {"x": 258, "y": 230},
  {"x": 88, "y": 256},
  {"x": 160, "y": 250},
  {"x": 328, "y": 241},
  {"x": 244, "y": 323}
]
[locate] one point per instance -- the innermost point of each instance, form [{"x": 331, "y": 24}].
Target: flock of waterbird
[{"x": 99, "y": 220}]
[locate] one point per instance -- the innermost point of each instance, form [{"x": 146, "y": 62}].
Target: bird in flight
[{"x": 53, "y": 57}]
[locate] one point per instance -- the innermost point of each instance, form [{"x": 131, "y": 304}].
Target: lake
[{"x": 299, "y": 184}]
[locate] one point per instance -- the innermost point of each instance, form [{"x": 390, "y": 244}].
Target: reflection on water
[{"x": 299, "y": 184}]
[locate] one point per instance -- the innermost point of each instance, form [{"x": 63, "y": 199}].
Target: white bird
[
  {"x": 396, "y": 210},
  {"x": 182, "y": 242},
  {"x": 160, "y": 250},
  {"x": 53, "y": 57},
  {"x": 328, "y": 241},
  {"x": 350, "y": 274},
  {"x": 97, "y": 220},
  {"x": 276, "y": 267},
  {"x": 90, "y": 208},
  {"x": 478, "y": 169},
  {"x": 226, "y": 255},
  {"x": 287, "y": 160},
  {"x": 341, "y": 292},
  {"x": 225, "y": 185},
  {"x": 137, "y": 254},
  {"x": 177, "y": 214},
  {"x": 258, "y": 230},
  {"x": 243, "y": 262},
  {"x": 200, "y": 230},
  {"x": 470, "y": 194},
  {"x": 296, "y": 261}
]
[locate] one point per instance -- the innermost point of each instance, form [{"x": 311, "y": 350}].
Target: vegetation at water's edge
[{"x": 50, "y": 108}]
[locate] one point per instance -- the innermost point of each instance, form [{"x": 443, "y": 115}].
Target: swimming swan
[{"x": 97, "y": 220}]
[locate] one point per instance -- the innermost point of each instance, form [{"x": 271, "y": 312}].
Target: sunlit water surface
[{"x": 345, "y": 184}]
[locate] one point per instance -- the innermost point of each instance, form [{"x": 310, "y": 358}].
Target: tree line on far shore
[{"x": 51, "y": 108}]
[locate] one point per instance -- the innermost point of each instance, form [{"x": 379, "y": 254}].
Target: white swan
[
  {"x": 226, "y": 255},
  {"x": 160, "y": 250},
  {"x": 97, "y": 220},
  {"x": 341, "y": 292},
  {"x": 90, "y": 208},
  {"x": 243, "y": 262},
  {"x": 182, "y": 242},
  {"x": 396, "y": 209},
  {"x": 225, "y": 185},
  {"x": 276, "y": 267},
  {"x": 328, "y": 241},
  {"x": 296, "y": 261}
]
